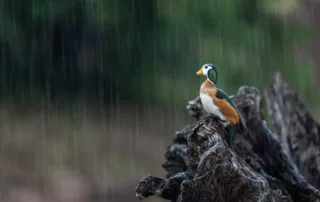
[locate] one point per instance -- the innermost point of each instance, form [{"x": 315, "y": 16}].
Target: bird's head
[{"x": 210, "y": 71}]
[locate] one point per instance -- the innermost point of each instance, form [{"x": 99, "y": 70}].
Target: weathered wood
[
  {"x": 298, "y": 131},
  {"x": 266, "y": 155},
  {"x": 202, "y": 167}
]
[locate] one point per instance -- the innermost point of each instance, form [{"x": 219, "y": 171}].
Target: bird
[{"x": 215, "y": 101}]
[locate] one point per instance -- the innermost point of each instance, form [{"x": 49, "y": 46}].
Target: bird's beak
[{"x": 200, "y": 72}]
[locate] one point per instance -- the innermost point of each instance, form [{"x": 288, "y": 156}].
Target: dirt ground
[{"x": 81, "y": 154}]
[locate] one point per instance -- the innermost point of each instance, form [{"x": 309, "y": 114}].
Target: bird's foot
[{"x": 210, "y": 115}]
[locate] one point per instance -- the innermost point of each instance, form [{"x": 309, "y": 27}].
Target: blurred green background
[{"x": 93, "y": 90}]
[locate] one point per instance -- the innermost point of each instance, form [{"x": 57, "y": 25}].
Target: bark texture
[
  {"x": 298, "y": 131},
  {"x": 202, "y": 167}
]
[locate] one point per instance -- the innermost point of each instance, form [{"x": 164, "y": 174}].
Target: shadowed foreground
[{"x": 202, "y": 167}]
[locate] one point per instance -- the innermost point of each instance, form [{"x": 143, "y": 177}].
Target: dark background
[{"x": 93, "y": 90}]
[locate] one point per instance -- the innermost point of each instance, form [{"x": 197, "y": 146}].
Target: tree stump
[
  {"x": 298, "y": 131},
  {"x": 202, "y": 167}
]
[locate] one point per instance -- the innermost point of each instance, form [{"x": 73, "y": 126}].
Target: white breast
[{"x": 209, "y": 106}]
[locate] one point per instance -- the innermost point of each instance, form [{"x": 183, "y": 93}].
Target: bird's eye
[{"x": 206, "y": 67}]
